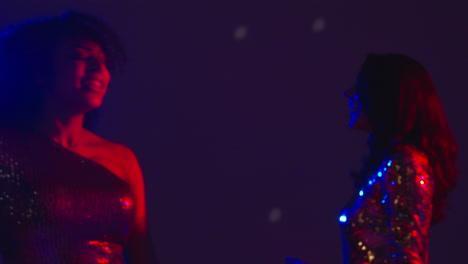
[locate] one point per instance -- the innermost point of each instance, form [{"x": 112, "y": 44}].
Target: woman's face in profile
[
  {"x": 358, "y": 119},
  {"x": 81, "y": 76}
]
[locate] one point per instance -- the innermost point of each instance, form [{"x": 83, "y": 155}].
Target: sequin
[
  {"x": 55, "y": 208},
  {"x": 389, "y": 221},
  {"x": 343, "y": 218}
]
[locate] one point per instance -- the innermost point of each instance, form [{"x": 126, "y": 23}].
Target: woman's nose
[
  {"x": 347, "y": 93},
  {"x": 350, "y": 92},
  {"x": 94, "y": 65}
]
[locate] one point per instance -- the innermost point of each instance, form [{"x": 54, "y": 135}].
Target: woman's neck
[{"x": 66, "y": 130}]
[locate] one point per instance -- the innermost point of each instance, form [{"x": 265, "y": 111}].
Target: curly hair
[
  {"x": 402, "y": 107},
  {"x": 27, "y": 51}
]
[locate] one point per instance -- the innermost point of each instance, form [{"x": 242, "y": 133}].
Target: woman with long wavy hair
[{"x": 403, "y": 186}]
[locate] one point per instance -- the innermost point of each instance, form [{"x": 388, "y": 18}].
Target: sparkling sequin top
[
  {"x": 57, "y": 207},
  {"x": 388, "y": 221}
]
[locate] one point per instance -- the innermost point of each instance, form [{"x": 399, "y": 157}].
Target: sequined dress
[
  {"x": 57, "y": 207},
  {"x": 389, "y": 220}
]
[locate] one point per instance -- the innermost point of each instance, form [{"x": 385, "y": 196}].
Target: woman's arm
[
  {"x": 140, "y": 248},
  {"x": 408, "y": 200}
]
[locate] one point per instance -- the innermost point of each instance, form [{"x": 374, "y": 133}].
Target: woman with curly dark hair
[
  {"x": 67, "y": 195},
  {"x": 402, "y": 188}
]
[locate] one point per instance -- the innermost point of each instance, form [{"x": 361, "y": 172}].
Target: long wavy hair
[
  {"x": 402, "y": 107},
  {"x": 27, "y": 51}
]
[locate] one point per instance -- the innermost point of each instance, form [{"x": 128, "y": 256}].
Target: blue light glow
[
  {"x": 292, "y": 261},
  {"x": 385, "y": 198},
  {"x": 379, "y": 174},
  {"x": 361, "y": 193},
  {"x": 389, "y": 163},
  {"x": 343, "y": 219}
]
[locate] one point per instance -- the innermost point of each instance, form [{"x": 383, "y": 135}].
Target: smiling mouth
[{"x": 95, "y": 83}]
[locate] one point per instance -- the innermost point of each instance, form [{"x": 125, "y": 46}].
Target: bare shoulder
[
  {"x": 97, "y": 141},
  {"x": 118, "y": 153}
]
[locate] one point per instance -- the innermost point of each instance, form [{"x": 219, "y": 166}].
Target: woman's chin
[
  {"x": 89, "y": 106},
  {"x": 92, "y": 103},
  {"x": 360, "y": 125}
]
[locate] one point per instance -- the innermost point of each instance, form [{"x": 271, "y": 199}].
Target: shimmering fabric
[
  {"x": 57, "y": 207},
  {"x": 388, "y": 221}
]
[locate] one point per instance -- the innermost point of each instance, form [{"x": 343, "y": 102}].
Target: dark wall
[{"x": 236, "y": 112}]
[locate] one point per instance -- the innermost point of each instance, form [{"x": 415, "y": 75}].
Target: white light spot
[
  {"x": 240, "y": 32},
  {"x": 343, "y": 219},
  {"x": 275, "y": 215},
  {"x": 318, "y": 25}
]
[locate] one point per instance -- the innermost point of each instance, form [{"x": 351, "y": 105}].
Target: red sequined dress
[
  {"x": 57, "y": 207},
  {"x": 388, "y": 221}
]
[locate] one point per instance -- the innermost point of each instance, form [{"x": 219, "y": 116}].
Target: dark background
[{"x": 235, "y": 110}]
